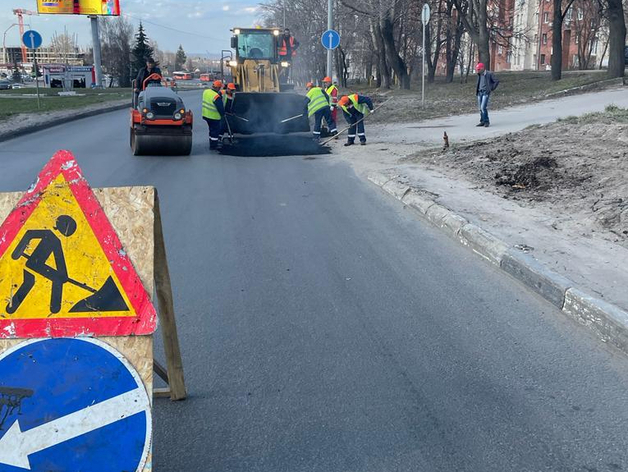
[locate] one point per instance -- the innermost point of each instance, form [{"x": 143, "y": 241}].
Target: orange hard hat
[
  {"x": 327, "y": 79},
  {"x": 344, "y": 101},
  {"x": 217, "y": 83},
  {"x": 231, "y": 86},
  {"x": 309, "y": 85}
]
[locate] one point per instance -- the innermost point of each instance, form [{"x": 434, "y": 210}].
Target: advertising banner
[{"x": 79, "y": 7}]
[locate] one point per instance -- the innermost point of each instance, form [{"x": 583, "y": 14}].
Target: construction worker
[
  {"x": 355, "y": 108},
  {"x": 287, "y": 46},
  {"x": 213, "y": 113},
  {"x": 318, "y": 106},
  {"x": 332, "y": 91},
  {"x": 228, "y": 94}
]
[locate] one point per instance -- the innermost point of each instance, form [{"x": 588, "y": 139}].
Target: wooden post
[{"x": 165, "y": 302}]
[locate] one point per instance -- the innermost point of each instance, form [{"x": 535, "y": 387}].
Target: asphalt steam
[{"x": 274, "y": 145}]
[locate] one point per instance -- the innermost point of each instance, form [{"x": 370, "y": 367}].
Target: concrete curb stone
[
  {"x": 608, "y": 321},
  {"x": 418, "y": 203},
  {"x": 533, "y": 274},
  {"x": 396, "y": 189},
  {"x": 483, "y": 243}
]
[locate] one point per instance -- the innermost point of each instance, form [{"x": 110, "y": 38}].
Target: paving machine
[
  {"x": 160, "y": 123},
  {"x": 264, "y": 101}
]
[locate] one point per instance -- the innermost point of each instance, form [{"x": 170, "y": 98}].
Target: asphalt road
[{"x": 325, "y": 328}]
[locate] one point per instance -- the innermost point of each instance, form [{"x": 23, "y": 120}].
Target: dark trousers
[
  {"x": 318, "y": 118},
  {"x": 352, "y": 120},
  {"x": 215, "y": 128}
]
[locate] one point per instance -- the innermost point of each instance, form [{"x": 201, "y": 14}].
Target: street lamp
[{"x": 4, "y": 44}]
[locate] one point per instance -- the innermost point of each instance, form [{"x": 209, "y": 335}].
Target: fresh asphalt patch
[{"x": 274, "y": 145}]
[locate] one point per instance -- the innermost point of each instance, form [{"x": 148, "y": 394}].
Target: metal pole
[
  {"x": 4, "y": 44},
  {"x": 423, "y": 73},
  {"x": 97, "y": 53},
  {"x": 283, "y": 4},
  {"x": 36, "y": 78},
  {"x": 330, "y": 25}
]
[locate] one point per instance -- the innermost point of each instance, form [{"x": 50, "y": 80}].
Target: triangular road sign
[{"x": 63, "y": 271}]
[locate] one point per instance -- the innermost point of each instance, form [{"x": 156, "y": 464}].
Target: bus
[
  {"x": 206, "y": 77},
  {"x": 182, "y": 75}
]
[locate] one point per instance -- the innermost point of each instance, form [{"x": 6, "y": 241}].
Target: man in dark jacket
[
  {"x": 487, "y": 83},
  {"x": 144, "y": 73}
]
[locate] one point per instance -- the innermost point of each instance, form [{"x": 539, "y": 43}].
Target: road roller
[{"x": 160, "y": 123}]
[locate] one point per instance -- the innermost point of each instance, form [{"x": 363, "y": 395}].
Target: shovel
[{"x": 292, "y": 118}]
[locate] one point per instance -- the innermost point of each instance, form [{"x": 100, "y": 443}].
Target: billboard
[{"x": 79, "y": 7}]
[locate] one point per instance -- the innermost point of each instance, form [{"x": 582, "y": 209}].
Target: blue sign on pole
[
  {"x": 330, "y": 39},
  {"x": 32, "y": 39},
  {"x": 71, "y": 404}
]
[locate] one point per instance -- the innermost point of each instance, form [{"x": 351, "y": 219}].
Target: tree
[
  {"x": 63, "y": 44},
  {"x": 617, "y": 37},
  {"x": 116, "y": 36},
  {"x": 587, "y": 24},
  {"x": 474, "y": 16},
  {"x": 180, "y": 58},
  {"x": 557, "y": 37},
  {"x": 142, "y": 50}
]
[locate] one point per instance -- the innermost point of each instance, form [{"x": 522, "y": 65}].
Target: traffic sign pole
[
  {"x": 425, "y": 19},
  {"x": 32, "y": 40},
  {"x": 330, "y": 25}
]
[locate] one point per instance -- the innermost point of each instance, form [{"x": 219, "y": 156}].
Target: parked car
[
  {"x": 17, "y": 86},
  {"x": 5, "y": 85}
]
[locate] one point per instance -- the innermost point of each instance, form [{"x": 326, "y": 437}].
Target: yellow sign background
[
  {"x": 87, "y": 7},
  {"x": 85, "y": 260}
]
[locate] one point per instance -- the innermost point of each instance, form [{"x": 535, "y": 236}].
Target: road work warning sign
[{"x": 63, "y": 270}]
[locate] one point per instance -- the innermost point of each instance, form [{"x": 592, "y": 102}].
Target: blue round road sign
[
  {"x": 32, "y": 39},
  {"x": 71, "y": 404},
  {"x": 330, "y": 39}
]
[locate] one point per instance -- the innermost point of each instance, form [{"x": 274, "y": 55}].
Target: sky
[{"x": 200, "y": 26}]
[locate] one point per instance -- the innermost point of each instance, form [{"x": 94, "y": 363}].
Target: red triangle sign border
[{"x": 145, "y": 321}]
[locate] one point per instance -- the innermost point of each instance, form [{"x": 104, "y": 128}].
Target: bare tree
[
  {"x": 560, "y": 11},
  {"x": 116, "y": 37},
  {"x": 617, "y": 37},
  {"x": 474, "y": 16}
]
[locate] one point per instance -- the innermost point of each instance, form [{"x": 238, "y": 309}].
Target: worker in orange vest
[
  {"x": 332, "y": 91},
  {"x": 287, "y": 46}
]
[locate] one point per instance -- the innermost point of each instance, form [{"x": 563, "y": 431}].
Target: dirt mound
[{"x": 576, "y": 167}]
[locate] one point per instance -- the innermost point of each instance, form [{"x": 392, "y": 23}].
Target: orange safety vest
[{"x": 283, "y": 50}]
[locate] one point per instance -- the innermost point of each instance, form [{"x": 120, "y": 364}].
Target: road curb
[
  {"x": 71, "y": 116},
  {"x": 609, "y": 322}
]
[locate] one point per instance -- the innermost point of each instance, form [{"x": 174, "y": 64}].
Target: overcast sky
[{"x": 200, "y": 25}]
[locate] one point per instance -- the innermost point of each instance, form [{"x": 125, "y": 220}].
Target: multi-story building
[{"x": 44, "y": 55}]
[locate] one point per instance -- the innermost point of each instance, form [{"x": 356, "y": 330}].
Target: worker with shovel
[
  {"x": 318, "y": 106},
  {"x": 355, "y": 108},
  {"x": 49, "y": 246}
]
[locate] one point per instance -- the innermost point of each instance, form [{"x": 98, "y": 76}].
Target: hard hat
[
  {"x": 309, "y": 85},
  {"x": 479, "y": 67},
  {"x": 231, "y": 86},
  {"x": 327, "y": 79},
  {"x": 344, "y": 101},
  {"x": 217, "y": 83}
]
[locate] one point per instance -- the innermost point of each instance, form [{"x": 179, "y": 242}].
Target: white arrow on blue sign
[
  {"x": 72, "y": 404},
  {"x": 32, "y": 39},
  {"x": 330, "y": 39}
]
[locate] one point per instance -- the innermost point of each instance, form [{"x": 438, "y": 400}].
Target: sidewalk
[{"x": 594, "y": 262}]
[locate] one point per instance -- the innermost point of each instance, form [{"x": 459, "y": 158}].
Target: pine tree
[
  {"x": 179, "y": 61},
  {"x": 141, "y": 50}
]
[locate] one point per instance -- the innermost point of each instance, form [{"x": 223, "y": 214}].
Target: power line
[{"x": 143, "y": 20}]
